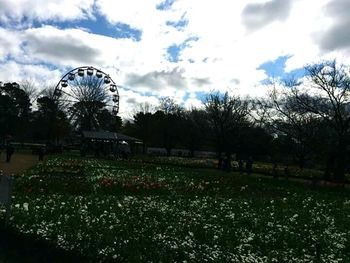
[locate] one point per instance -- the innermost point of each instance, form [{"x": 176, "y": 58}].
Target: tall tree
[
  {"x": 286, "y": 118},
  {"x": 196, "y": 129},
  {"x": 328, "y": 99},
  {"x": 30, "y": 88},
  {"x": 49, "y": 122},
  {"x": 108, "y": 122},
  {"x": 227, "y": 115},
  {"x": 144, "y": 128},
  {"x": 168, "y": 119},
  {"x": 14, "y": 110}
]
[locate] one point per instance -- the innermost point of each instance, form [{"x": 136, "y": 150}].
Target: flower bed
[{"x": 140, "y": 212}]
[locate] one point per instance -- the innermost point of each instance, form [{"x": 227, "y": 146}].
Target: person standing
[
  {"x": 249, "y": 165},
  {"x": 240, "y": 166},
  {"x": 41, "y": 153},
  {"x": 9, "y": 152},
  {"x": 274, "y": 170}
]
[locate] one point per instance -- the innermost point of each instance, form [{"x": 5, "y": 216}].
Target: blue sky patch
[
  {"x": 125, "y": 31},
  {"x": 99, "y": 26},
  {"x": 174, "y": 50},
  {"x": 200, "y": 95},
  {"x": 276, "y": 69},
  {"x": 179, "y": 25},
  {"x": 165, "y": 5}
]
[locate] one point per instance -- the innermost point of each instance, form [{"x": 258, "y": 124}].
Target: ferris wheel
[{"x": 84, "y": 91}]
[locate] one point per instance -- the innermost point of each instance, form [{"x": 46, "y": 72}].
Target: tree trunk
[
  {"x": 192, "y": 153},
  {"x": 228, "y": 162},
  {"x": 301, "y": 161},
  {"x": 144, "y": 147},
  {"x": 340, "y": 162},
  {"x": 339, "y": 169},
  {"x": 329, "y": 167},
  {"x": 219, "y": 160}
]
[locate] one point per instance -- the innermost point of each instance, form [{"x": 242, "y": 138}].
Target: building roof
[{"x": 111, "y": 136}]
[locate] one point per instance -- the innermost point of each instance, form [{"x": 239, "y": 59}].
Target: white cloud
[
  {"x": 15, "y": 72},
  {"x": 45, "y": 10},
  {"x": 9, "y": 43},
  {"x": 225, "y": 55},
  {"x": 130, "y": 101},
  {"x": 192, "y": 103},
  {"x": 257, "y": 15}
]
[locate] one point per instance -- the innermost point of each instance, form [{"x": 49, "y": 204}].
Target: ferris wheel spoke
[
  {"x": 110, "y": 105},
  {"x": 69, "y": 101},
  {"x": 70, "y": 95}
]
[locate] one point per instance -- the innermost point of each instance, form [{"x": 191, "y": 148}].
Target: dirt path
[{"x": 19, "y": 163}]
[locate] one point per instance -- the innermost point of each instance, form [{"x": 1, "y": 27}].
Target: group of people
[
  {"x": 248, "y": 165},
  {"x": 225, "y": 164},
  {"x": 10, "y": 151}
]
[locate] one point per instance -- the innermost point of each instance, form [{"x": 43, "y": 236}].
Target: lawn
[
  {"x": 258, "y": 167},
  {"x": 130, "y": 211}
]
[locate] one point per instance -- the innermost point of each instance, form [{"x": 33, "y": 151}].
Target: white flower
[{"x": 25, "y": 206}]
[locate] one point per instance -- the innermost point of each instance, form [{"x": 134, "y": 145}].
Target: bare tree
[
  {"x": 31, "y": 89},
  {"x": 286, "y": 118},
  {"x": 169, "y": 106},
  {"x": 226, "y": 115},
  {"x": 144, "y": 108},
  {"x": 329, "y": 100},
  {"x": 260, "y": 112},
  {"x": 47, "y": 91}
]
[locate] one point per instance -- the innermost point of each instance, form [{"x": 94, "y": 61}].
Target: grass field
[
  {"x": 258, "y": 167},
  {"x": 129, "y": 211}
]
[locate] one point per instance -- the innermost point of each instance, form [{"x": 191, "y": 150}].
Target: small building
[{"x": 109, "y": 143}]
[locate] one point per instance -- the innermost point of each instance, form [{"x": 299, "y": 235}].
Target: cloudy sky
[{"x": 177, "y": 48}]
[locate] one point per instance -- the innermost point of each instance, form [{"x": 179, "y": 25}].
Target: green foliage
[{"x": 14, "y": 110}]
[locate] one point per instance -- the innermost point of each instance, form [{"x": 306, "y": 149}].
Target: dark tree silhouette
[
  {"x": 286, "y": 118},
  {"x": 31, "y": 89},
  {"x": 14, "y": 110},
  {"x": 329, "y": 100},
  {"x": 108, "y": 121},
  {"x": 144, "y": 128},
  {"x": 196, "y": 129},
  {"x": 168, "y": 121},
  {"x": 49, "y": 122},
  {"x": 227, "y": 115}
]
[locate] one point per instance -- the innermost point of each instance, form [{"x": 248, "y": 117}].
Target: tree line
[{"x": 305, "y": 121}]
